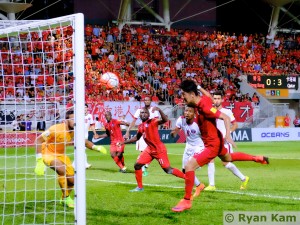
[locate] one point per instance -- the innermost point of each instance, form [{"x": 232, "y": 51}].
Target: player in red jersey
[
  {"x": 212, "y": 138},
  {"x": 113, "y": 130},
  {"x": 155, "y": 149},
  {"x": 141, "y": 144}
]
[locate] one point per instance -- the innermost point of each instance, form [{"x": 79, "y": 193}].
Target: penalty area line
[{"x": 221, "y": 191}]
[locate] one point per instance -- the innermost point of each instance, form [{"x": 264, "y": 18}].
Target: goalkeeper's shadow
[{"x": 109, "y": 170}]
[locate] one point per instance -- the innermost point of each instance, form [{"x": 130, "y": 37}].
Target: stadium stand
[
  {"x": 149, "y": 61},
  {"x": 154, "y": 61}
]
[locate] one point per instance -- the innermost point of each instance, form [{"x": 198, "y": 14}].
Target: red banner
[
  {"x": 117, "y": 109},
  {"x": 15, "y": 139},
  {"x": 241, "y": 110}
]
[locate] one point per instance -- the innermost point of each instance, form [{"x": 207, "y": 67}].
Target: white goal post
[{"x": 41, "y": 78}]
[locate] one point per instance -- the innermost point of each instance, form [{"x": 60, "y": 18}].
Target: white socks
[
  {"x": 196, "y": 182},
  {"x": 85, "y": 161},
  {"x": 235, "y": 171},
  {"x": 211, "y": 173},
  {"x": 230, "y": 166}
]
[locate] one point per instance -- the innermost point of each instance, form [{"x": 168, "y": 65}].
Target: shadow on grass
[
  {"x": 108, "y": 170},
  {"x": 137, "y": 217}
]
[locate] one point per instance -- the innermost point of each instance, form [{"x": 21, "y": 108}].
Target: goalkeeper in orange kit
[{"x": 51, "y": 146}]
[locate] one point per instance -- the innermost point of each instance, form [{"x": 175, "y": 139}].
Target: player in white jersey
[
  {"x": 89, "y": 124},
  {"x": 141, "y": 144},
  {"x": 194, "y": 142},
  {"x": 218, "y": 100}
]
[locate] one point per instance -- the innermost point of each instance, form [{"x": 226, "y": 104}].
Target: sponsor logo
[
  {"x": 165, "y": 137},
  {"x": 14, "y": 140},
  {"x": 275, "y": 134},
  {"x": 213, "y": 110},
  {"x": 17, "y": 139},
  {"x": 242, "y": 135}
]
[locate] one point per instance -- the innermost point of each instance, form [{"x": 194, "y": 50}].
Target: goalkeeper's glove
[
  {"x": 100, "y": 148},
  {"x": 40, "y": 167}
]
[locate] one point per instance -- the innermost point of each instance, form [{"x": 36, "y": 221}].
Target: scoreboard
[{"x": 273, "y": 82}]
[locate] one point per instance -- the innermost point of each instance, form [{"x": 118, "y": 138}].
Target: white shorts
[
  {"x": 189, "y": 151},
  {"x": 141, "y": 144},
  {"x": 229, "y": 147}
]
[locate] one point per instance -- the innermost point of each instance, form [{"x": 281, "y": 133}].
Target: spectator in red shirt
[
  {"x": 255, "y": 99},
  {"x": 296, "y": 121},
  {"x": 70, "y": 104},
  {"x": 88, "y": 30},
  {"x": 154, "y": 98},
  {"x": 287, "y": 120},
  {"x": 178, "y": 100}
]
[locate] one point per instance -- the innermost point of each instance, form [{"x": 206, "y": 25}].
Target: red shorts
[
  {"x": 208, "y": 154},
  {"x": 148, "y": 155},
  {"x": 116, "y": 148}
]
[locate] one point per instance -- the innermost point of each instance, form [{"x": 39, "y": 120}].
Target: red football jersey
[
  {"x": 206, "y": 120},
  {"x": 149, "y": 129},
  {"x": 114, "y": 128}
]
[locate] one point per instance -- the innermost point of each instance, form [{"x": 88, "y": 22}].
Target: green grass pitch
[{"x": 273, "y": 187}]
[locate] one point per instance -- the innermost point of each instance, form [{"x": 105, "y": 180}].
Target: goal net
[{"x": 42, "y": 68}]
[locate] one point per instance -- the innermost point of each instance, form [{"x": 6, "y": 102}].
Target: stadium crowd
[
  {"x": 149, "y": 62},
  {"x": 152, "y": 61}
]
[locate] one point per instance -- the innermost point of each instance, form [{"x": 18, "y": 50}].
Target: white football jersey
[
  {"x": 220, "y": 123},
  {"x": 88, "y": 121},
  {"x": 191, "y": 131},
  {"x": 152, "y": 115}
]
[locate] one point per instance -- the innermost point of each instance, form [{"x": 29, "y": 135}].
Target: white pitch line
[
  {"x": 260, "y": 195},
  {"x": 269, "y": 157},
  {"x": 222, "y": 191}
]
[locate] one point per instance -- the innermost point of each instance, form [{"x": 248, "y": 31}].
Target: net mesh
[{"x": 36, "y": 89}]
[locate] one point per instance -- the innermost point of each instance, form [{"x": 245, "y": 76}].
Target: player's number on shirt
[{"x": 161, "y": 161}]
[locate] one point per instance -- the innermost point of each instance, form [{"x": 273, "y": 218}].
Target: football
[{"x": 109, "y": 79}]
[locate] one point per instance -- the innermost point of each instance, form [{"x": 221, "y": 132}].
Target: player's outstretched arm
[
  {"x": 131, "y": 125},
  {"x": 204, "y": 92},
  {"x": 164, "y": 117},
  {"x": 92, "y": 128},
  {"x": 174, "y": 132},
  {"x": 125, "y": 123},
  {"x": 131, "y": 140},
  {"x": 98, "y": 148},
  {"x": 234, "y": 126},
  {"x": 227, "y": 124},
  {"x": 106, "y": 134}
]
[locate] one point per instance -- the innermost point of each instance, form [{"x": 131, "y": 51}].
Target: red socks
[
  {"x": 189, "y": 184},
  {"x": 123, "y": 161},
  {"x": 139, "y": 178},
  {"x": 178, "y": 173},
  {"x": 240, "y": 156},
  {"x": 118, "y": 162}
]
